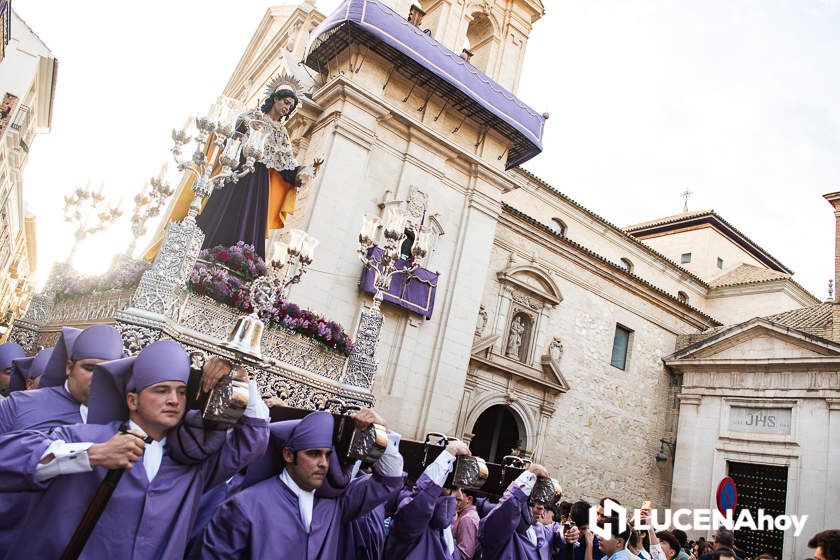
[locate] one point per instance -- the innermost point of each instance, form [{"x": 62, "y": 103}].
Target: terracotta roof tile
[{"x": 747, "y": 274}]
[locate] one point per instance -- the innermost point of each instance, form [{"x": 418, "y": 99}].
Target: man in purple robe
[
  {"x": 283, "y": 515},
  {"x": 364, "y": 537},
  {"x": 26, "y": 372},
  {"x": 511, "y": 532},
  {"x": 65, "y": 383},
  {"x": 153, "y": 506},
  {"x": 8, "y": 352},
  {"x": 422, "y": 526}
]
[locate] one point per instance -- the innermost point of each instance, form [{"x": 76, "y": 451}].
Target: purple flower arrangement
[
  {"x": 125, "y": 274},
  {"x": 225, "y": 273}
]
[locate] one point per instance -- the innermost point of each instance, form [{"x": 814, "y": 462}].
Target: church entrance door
[
  {"x": 760, "y": 487},
  {"x": 496, "y": 434}
]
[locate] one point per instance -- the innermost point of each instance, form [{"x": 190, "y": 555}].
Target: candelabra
[
  {"x": 148, "y": 204},
  {"x": 296, "y": 256},
  {"x": 217, "y": 159},
  {"x": 218, "y": 163},
  {"x": 394, "y": 233},
  {"x": 84, "y": 208},
  {"x": 362, "y": 365}
]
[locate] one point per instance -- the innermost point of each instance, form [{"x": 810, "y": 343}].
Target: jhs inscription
[{"x": 760, "y": 420}]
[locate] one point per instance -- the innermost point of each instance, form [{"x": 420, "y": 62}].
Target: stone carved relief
[
  {"x": 526, "y": 301},
  {"x": 416, "y": 205}
]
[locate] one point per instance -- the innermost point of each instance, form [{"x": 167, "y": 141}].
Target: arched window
[
  {"x": 626, "y": 264},
  {"x": 479, "y": 40},
  {"x": 557, "y": 226},
  {"x": 682, "y": 296}
]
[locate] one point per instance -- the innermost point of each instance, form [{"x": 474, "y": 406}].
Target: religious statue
[
  {"x": 517, "y": 328},
  {"x": 262, "y": 200},
  {"x": 555, "y": 349}
]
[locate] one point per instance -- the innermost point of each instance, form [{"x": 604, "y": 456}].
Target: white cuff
[
  {"x": 68, "y": 458},
  {"x": 440, "y": 468},
  {"x": 256, "y": 407},
  {"x": 525, "y": 482},
  {"x": 391, "y": 462}
]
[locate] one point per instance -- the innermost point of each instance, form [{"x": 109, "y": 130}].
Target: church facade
[{"x": 555, "y": 334}]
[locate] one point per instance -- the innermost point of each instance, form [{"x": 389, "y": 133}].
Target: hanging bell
[{"x": 246, "y": 336}]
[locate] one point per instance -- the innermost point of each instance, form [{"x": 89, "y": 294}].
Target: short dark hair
[
  {"x": 724, "y": 553},
  {"x": 681, "y": 537},
  {"x": 605, "y": 498},
  {"x": 579, "y": 513},
  {"x": 564, "y": 508},
  {"x": 670, "y": 539},
  {"x": 725, "y": 537},
  {"x": 829, "y": 541}
]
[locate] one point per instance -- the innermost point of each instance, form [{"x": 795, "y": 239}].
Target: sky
[{"x": 734, "y": 100}]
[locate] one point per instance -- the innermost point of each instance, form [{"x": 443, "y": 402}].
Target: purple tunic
[
  {"x": 143, "y": 520},
  {"x": 39, "y": 409},
  {"x": 502, "y": 533},
  {"x": 264, "y": 521},
  {"x": 416, "y": 531},
  {"x": 364, "y": 537}
]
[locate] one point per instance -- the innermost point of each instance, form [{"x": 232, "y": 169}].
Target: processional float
[{"x": 302, "y": 371}]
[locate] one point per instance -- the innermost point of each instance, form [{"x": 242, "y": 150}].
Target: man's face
[
  {"x": 667, "y": 550},
  {"x": 600, "y": 513},
  {"x": 4, "y": 379},
  {"x": 308, "y": 467},
  {"x": 462, "y": 500},
  {"x": 607, "y": 546},
  {"x": 158, "y": 407},
  {"x": 819, "y": 555},
  {"x": 537, "y": 510},
  {"x": 79, "y": 374}
]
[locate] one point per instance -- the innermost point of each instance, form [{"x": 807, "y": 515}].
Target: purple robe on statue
[
  {"x": 142, "y": 520},
  {"x": 417, "y": 528},
  {"x": 502, "y": 533},
  {"x": 238, "y": 212},
  {"x": 239, "y": 528}
]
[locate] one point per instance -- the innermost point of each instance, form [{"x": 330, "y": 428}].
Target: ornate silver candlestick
[{"x": 148, "y": 204}]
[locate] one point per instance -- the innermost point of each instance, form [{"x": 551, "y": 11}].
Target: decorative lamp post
[
  {"x": 148, "y": 204},
  {"x": 362, "y": 365},
  {"x": 84, "y": 209}
]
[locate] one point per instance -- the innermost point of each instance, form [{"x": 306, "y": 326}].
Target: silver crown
[{"x": 284, "y": 82}]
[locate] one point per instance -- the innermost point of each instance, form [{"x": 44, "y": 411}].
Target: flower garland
[
  {"x": 125, "y": 274},
  {"x": 224, "y": 274}
]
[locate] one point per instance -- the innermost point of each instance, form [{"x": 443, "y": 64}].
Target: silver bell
[{"x": 246, "y": 336}]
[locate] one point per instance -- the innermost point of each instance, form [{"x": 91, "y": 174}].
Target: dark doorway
[
  {"x": 759, "y": 487},
  {"x": 496, "y": 434}
]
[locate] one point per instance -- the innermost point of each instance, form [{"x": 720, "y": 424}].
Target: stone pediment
[
  {"x": 757, "y": 340},
  {"x": 547, "y": 377}
]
